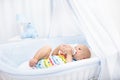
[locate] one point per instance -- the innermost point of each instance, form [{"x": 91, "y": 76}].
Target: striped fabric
[{"x": 51, "y": 61}]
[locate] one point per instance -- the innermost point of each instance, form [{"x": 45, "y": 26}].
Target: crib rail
[{"x": 82, "y": 72}]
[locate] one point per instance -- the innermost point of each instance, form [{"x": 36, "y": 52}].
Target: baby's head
[{"x": 82, "y": 52}]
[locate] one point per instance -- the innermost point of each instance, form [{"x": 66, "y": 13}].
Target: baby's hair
[{"x": 87, "y": 53}]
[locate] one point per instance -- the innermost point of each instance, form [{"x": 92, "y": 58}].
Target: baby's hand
[
  {"x": 32, "y": 62},
  {"x": 67, "y": 49}
]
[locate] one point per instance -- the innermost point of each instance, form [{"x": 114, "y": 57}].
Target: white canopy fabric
[
  {"x": 97, "y": 20},
  {"x": 104, "y": 40}
]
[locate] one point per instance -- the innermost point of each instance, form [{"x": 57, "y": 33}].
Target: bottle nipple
[{"x": 74, "y": 51}]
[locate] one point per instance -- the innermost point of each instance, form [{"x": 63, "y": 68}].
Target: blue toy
[{"x": 29, "y": 31}]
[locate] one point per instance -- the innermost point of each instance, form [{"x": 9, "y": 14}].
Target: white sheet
[
  {"x": 81, "y": 63},
  {"x": 19, "y": 52},
  {"x": 25, "y": 66}
]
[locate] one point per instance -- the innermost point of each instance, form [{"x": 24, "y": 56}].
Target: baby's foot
[{"x": 33, "y": 62}]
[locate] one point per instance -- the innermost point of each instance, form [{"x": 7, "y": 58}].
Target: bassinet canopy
[{"x": 58, "y": 18}]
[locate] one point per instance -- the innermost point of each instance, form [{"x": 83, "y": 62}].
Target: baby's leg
[{"x": 43, "y": 52}]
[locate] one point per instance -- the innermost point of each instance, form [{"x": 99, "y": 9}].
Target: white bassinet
[{"x": 15, "y": 53}]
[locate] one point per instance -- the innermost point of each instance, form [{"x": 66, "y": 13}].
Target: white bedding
[
  {"x": 25, "y": 65},
  {"x": 13, "y": 65},
  {"x": 81, "y": 63}
]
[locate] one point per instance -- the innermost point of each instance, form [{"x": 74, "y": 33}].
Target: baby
[{"x": 62, "y": 54}]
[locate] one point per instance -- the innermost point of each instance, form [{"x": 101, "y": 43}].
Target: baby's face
[{"x": 80, "y": 52}]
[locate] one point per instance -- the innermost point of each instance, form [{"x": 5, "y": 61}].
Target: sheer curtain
[
  {"x": 7, "y": 20},
  {"x": 51, "y": 18},
  {"x": 100, "y": 25},
  {"x": 63, "y": 19},
  {"x": 35, "y": 11}
]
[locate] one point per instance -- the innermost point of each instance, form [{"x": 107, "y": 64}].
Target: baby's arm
[
  {"x": 67, "y": 50},
  {"x": 56, "y": 50},
  {"x": 59, "y": 48},
  {"x": 41, "y": 53}
]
